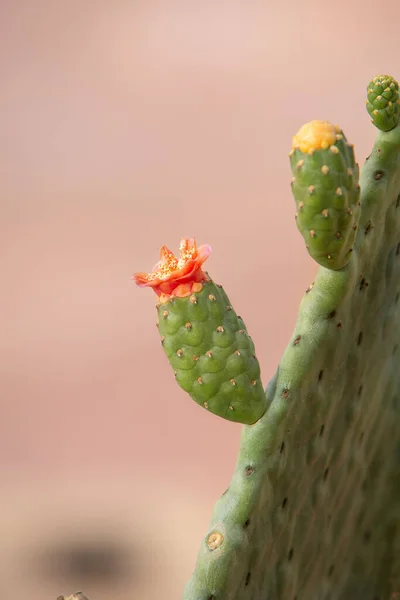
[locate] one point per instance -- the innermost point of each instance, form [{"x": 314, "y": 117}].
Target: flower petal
[{"x": 170, "y": 273}]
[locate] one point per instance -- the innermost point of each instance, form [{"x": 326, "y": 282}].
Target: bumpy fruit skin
[
  {"x": 327, "y": 192},
  {"x": 383, "y": 102},
  {"x": 212, "y": 355}
]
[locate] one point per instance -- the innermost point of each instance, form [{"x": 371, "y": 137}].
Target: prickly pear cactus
[{"x": 313, "y": 508}]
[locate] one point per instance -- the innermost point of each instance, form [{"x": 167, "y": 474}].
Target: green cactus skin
[
  {"x": 313, "y": 508},
  {"x": 327, "y": 192},
  {"x": 383, "y": 102},
  {"x": 212, "y": 355}
]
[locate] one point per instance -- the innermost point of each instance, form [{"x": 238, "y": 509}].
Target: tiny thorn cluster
[
  {"x": 327, "y": 192},
  {"x": 383, "y": 102}
]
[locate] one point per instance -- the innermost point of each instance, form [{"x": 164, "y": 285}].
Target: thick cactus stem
[
  {"x": 313, "y": 508},
  {"x": 383, "y": 102},
  {"x": 327, "y": 192},
  {"x": 206, "y": 343}
]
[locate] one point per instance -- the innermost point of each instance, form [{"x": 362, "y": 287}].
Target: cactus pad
[
  {"x": 326, "y": 189},
  {"x": 313, "y": 508},
  {"x": 383, "y": 102}
]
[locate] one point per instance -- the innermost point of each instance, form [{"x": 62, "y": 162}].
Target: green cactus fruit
[
  {"x": 383, "y": 102},
  {"x": 327, "y": 192},
  {"x": 206, "y": 343},
  {"x": 212, "y": 355},
  {"x": 313, "y": 509}
]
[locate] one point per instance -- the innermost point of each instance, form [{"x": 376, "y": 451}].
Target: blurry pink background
[{"x": 124, "y": 126}]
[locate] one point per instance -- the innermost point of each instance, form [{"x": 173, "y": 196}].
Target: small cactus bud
[
  {"x": 326, "y": 192},
  {"x": 383, "y": 102}
]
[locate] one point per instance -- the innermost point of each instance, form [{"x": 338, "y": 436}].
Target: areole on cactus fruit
[{"x": 206, "y": 343}]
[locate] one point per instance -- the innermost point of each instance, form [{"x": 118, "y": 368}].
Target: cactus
[
  {"x": 383, "y": 102},
  {"x": 313, "y": 508},
  {"x": 206, "y": 343}
]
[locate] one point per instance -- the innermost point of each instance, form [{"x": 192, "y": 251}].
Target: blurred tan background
[{"x": 124, "y": 126}]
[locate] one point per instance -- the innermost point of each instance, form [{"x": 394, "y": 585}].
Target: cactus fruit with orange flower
[
  {"x": 313, "y": 508},
  {"x": 206, "y": 343}
]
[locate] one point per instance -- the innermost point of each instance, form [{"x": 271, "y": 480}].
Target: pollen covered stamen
[
  {"x": 186, "y": 252},
  {"x": 169, "y": 263}
]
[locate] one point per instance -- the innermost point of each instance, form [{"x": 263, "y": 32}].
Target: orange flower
[{"x": 177, "y": 277}]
